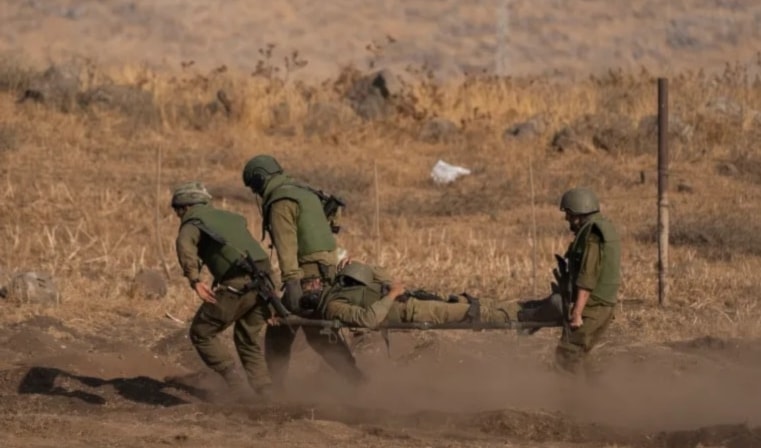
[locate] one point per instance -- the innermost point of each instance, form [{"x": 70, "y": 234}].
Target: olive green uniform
[
  {"x": 594, "y": 259},
  {"x": 306, "y": 249},
  {"x": 198, "y": 244},
  {"x": 294, "y": 265},
  {"x": 357, "y": 308}
]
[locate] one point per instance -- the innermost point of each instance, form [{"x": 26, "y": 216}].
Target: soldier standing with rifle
[
  {"x": 588, "y": 277},
  {"x": 294, "y": 216},
  {"x": 220, "y": 240},
  {"x": 587, "y": 280}
]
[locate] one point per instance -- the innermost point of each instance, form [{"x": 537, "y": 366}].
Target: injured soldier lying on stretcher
[{"x": 364, "y": 297}]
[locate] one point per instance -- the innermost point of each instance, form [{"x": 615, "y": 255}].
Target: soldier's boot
[
  {"x": 244, "y": 391},
  {"x": 235, "y": 383},
  {"x": 569, "y": 358},
  {"x": 549, "y": 309},
  {"x": 265, "y": 394}
]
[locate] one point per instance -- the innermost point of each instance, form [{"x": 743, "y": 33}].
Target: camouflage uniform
[
  {"x": 306, "y": 250},
  {"x": 218, "y": 239}
]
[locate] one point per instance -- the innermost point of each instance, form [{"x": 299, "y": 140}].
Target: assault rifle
[
  {"x": 260, "y": 280},
  {"x": 331, "y": 206},
  {"x": 419, "y": 294},
  {"x": 563, "y": 286}
]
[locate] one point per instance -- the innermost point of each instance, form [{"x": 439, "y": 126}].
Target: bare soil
[
  {"x": 103, "y": 369},
  {"x": 63, "y": 387}
]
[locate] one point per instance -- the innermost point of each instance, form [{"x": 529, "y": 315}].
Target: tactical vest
[
  {"x": 312, "y": 229},
  {"x": 225, "y": 239},
  {"x": 610, "y": 266}
]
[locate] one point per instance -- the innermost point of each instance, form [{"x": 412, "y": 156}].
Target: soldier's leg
[
  {"x": 500, "y": 312},
  {"x": 603, "y": 316},
  {"x": 433, "y": 311},
  {"x": 438, "y": 312},
  {"x": 210, "y": 320},
  {"x": 574, "y": 346},
  {"x": 277, "y": 352},
  {"x": 336, "y": 353},
  {"x": 246, "y": 337}
]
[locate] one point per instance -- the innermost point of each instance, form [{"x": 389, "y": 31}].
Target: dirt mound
[
  {"x": 502, "y": 424},
  {"x": 479, "y": 389},
  {"x": 745, "y": 351},
  {"x": 730, "y": 436},
  {"x": 545, "y": 427}
]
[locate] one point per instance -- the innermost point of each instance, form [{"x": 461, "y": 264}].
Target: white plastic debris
[
  {"x": 444, "y": 173},
  {"x": 342, "y": 254}
]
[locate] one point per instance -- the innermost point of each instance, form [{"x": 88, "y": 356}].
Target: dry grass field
[{"x": 90, "y": 152}]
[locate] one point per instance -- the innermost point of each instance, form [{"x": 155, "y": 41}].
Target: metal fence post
[{"x": 663, "y": 203}]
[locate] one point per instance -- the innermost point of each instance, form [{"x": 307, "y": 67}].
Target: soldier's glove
[
  {"x": 309, "y": 302},
  {"x": 292, "y": 295}
]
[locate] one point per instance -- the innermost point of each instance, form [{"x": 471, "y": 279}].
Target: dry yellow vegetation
[{"x": 81, "y": 199}]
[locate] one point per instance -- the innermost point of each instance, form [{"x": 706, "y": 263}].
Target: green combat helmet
[
  {"x": 190, "y": 193},
  {"x": 258, "y": 170},
  {"x": 358, "y": 272},
  {"x": 579, "y": 201}
]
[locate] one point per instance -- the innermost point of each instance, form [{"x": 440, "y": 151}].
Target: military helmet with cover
[
  {"x": 356, "y": 272},
  {"x": 258, "y": 170},
  {"x": 190, "y": 193},
  {"x": 579, "y": 201}
]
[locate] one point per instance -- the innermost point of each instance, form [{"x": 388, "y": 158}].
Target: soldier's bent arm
[
  {"x": 591, "y": 263},
  {"x": 187, "y": 252},
  {"x": 357, "y": 316},
  {"x": 284, "y": 216}
]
